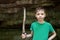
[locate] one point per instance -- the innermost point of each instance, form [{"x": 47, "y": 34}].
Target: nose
[{"x": 40, "y": 15}]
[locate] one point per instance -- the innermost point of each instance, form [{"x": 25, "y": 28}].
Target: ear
[{"x": 45, "y": 15}]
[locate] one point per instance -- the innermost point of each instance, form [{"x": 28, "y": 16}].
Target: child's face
[{"x": 40, "y": 14}]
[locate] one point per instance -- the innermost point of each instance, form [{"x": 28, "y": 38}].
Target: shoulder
[
  {"x": 33, "y": 23},
  {"x": 48, "y": 23}
]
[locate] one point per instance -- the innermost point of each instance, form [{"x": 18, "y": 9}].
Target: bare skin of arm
[
  {"x": 27, "y": 35},
  {"x": 52, "y": 36},
  {"x": 30, "y": 35}
]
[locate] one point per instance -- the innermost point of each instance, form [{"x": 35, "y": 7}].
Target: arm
[
  {"x": 53, "y": 36},
  {"x": 30, "y": 35},
  {"x": 27, "y": 35}
]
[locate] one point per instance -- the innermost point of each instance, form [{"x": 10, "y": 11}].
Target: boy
[{"x": 40, "y": 29}]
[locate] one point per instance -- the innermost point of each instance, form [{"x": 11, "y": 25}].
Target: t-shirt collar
[{"x": 41, "y": 23}]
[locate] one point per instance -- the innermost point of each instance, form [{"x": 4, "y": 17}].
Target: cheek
[
  {"x": 37, "y": 16},
  {"x": 43, "y": 16}
]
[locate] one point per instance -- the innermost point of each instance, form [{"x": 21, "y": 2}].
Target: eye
[
  {"x": 42, "y": 13},
  {"x": 38, "y": 14}
]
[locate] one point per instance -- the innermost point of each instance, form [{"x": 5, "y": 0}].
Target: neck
[{"x": 41, "y": 21}]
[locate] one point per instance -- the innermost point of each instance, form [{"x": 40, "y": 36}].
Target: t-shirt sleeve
[
  {"x": 51, "y": 28},
  {"x": 31, "y": 27}
]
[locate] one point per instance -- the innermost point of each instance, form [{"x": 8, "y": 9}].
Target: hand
[{"x": 23, "y": 36}]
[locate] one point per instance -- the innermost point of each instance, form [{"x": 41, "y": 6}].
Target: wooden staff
[{"x": 24, "y": 19}]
